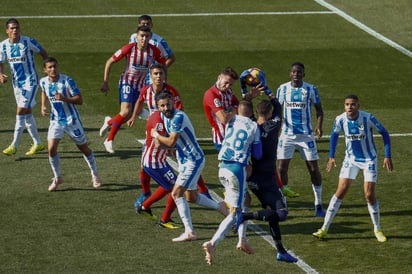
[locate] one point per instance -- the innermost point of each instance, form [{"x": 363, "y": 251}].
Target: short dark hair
[
  {"x": 299, "y": 64},
  {"x": 12, "y": 21},
  {"x": 231, "y": 72},
  {"x": 245, "y": 108},
  {"x": 352, "y": 96},
  {"x": 144, "y": 17},
  {"x": 164, "y": 94},
  {"x": 49, "y": 60},
  {"x": 264, "y": 107},
  {"x": 144, "y": 28},
  {"x": 158, "y": 66}
]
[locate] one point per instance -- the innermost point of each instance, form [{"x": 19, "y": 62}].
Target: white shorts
[
  {"x": 76, "y": 132},
  {"x": 189, "y": 174},
  {"x": 233, "y": 177},
  {"x": 350, "y": 170},
  {"x": 305, "y": 144},
  {"x": 25, "y": 98}
]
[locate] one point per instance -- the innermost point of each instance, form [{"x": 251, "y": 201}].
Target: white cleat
[
  {"x": 96, "y": 181},
  {"x": 55, "y": 183},
  {"x": 105, "y": 126},
  {"x": 190, "y": 236},
  {"x": 108, "y": 145}
]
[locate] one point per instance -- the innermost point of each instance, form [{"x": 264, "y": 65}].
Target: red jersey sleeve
[{"x": 122, "y": 52}]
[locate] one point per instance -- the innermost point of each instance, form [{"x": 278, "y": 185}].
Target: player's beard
[{"x": 169, "y": 113}]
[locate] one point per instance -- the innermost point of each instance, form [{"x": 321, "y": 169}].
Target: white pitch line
[
  {"x": 365, "y": 28},
  {"x": 171, "y": 15},
  {"x": 251, "y": 225}
]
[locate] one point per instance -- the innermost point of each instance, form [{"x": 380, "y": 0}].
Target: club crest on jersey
[
  {"x": 217, "y": 102},
  {"x": 159, "y": 127}
]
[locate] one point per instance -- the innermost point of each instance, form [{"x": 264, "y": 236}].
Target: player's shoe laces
[
  {"x": 209, "y": 250},
  {"x": 239, "y": 220},
  {"x": 169, "y": 224},
  {"x": 320, "y": 234},
  {"x": 286, "y": 257},
  {"x": 141, "y": 199},
  {"x": 34, "y": 149},
  {"x": 96, "y": 181},
  {"x": 243, "y": 245},
  {"x": 189, "y": 236},
  {"x": 55, "y": 183},
  {"x": 105, "y": 126},
  {"x": 147, "y": 212},
  {"x": 108, "y": 145},
  {"x": 10, "y": 150},
  {"x": 319, "y": 211},
  {"x": 287, "y": 192},
  {"x": 379, "y": 235}
]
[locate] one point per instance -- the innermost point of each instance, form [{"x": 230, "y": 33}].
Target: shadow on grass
[{"x": 104, "y": 187}]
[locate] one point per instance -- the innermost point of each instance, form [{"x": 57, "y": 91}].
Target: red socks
[
  {"x": 116, "y": 123},
  {"x": 144, "y": 181}
]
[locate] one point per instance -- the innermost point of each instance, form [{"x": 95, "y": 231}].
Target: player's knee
[{"x": 282, "y": 214}]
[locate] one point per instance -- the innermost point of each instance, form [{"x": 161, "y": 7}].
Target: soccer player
[
  {"x": 360, "y": 154},
  {"x": 242, "y": 139},
  {"x": 139, "y": 57},
  {"x": 155, "y": 40},
  {"x": 262, "y": 87},
  {"x": 18, "y": 51},
  {"x": 220, "y": 104},
  {"x": 147, "y": 95},
  {"x": 190, "y": 158},
  {"x": 63, "y": 95},
  {"x": 262, "y": 181},
  {"x": 155, "y": 166},
  {"x": 297, "y": 97}
]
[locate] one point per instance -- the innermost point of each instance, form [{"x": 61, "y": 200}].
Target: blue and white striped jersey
[
  {"x": 241, "y": 134},
  {"x": 187, "y": 147},
  {"x": 61, "y": 112},
  {"x": 20, "y": 57},
  {"x": 297, "y": 103},
  {"x": 360, "y": 145}
]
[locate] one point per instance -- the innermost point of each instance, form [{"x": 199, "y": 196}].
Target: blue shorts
[
  {"x": 165, "y": 176},
  {"x": 128, "y": 93}
]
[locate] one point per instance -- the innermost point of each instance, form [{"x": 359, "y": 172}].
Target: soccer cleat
[
  {"x": 34, "y": 149},
  {"x": 105, "y": 126},
  {"x": 286, "y": 257},
  {"x": 147, "y": 212},
  {"x": 10, "y": 150},
  {"x": 108, "y": 145},
  {"x": 169, "y": 224},
  {"x": 209, "y": 249},
  {"x": 96, "y": 181},
  {"x": 320, "y": 234},
  {"x": 319, "y": 211},
  {"x": 379, "y": 235},
  {"x": 287, "y": 192},
  {"x": 141, "y": 199},
  {"x": 239, "y": 220},
  {"x": 55, "y": 183},
  {"x": 190, "y": 236},
  {"x": 243, "y": 245}
]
